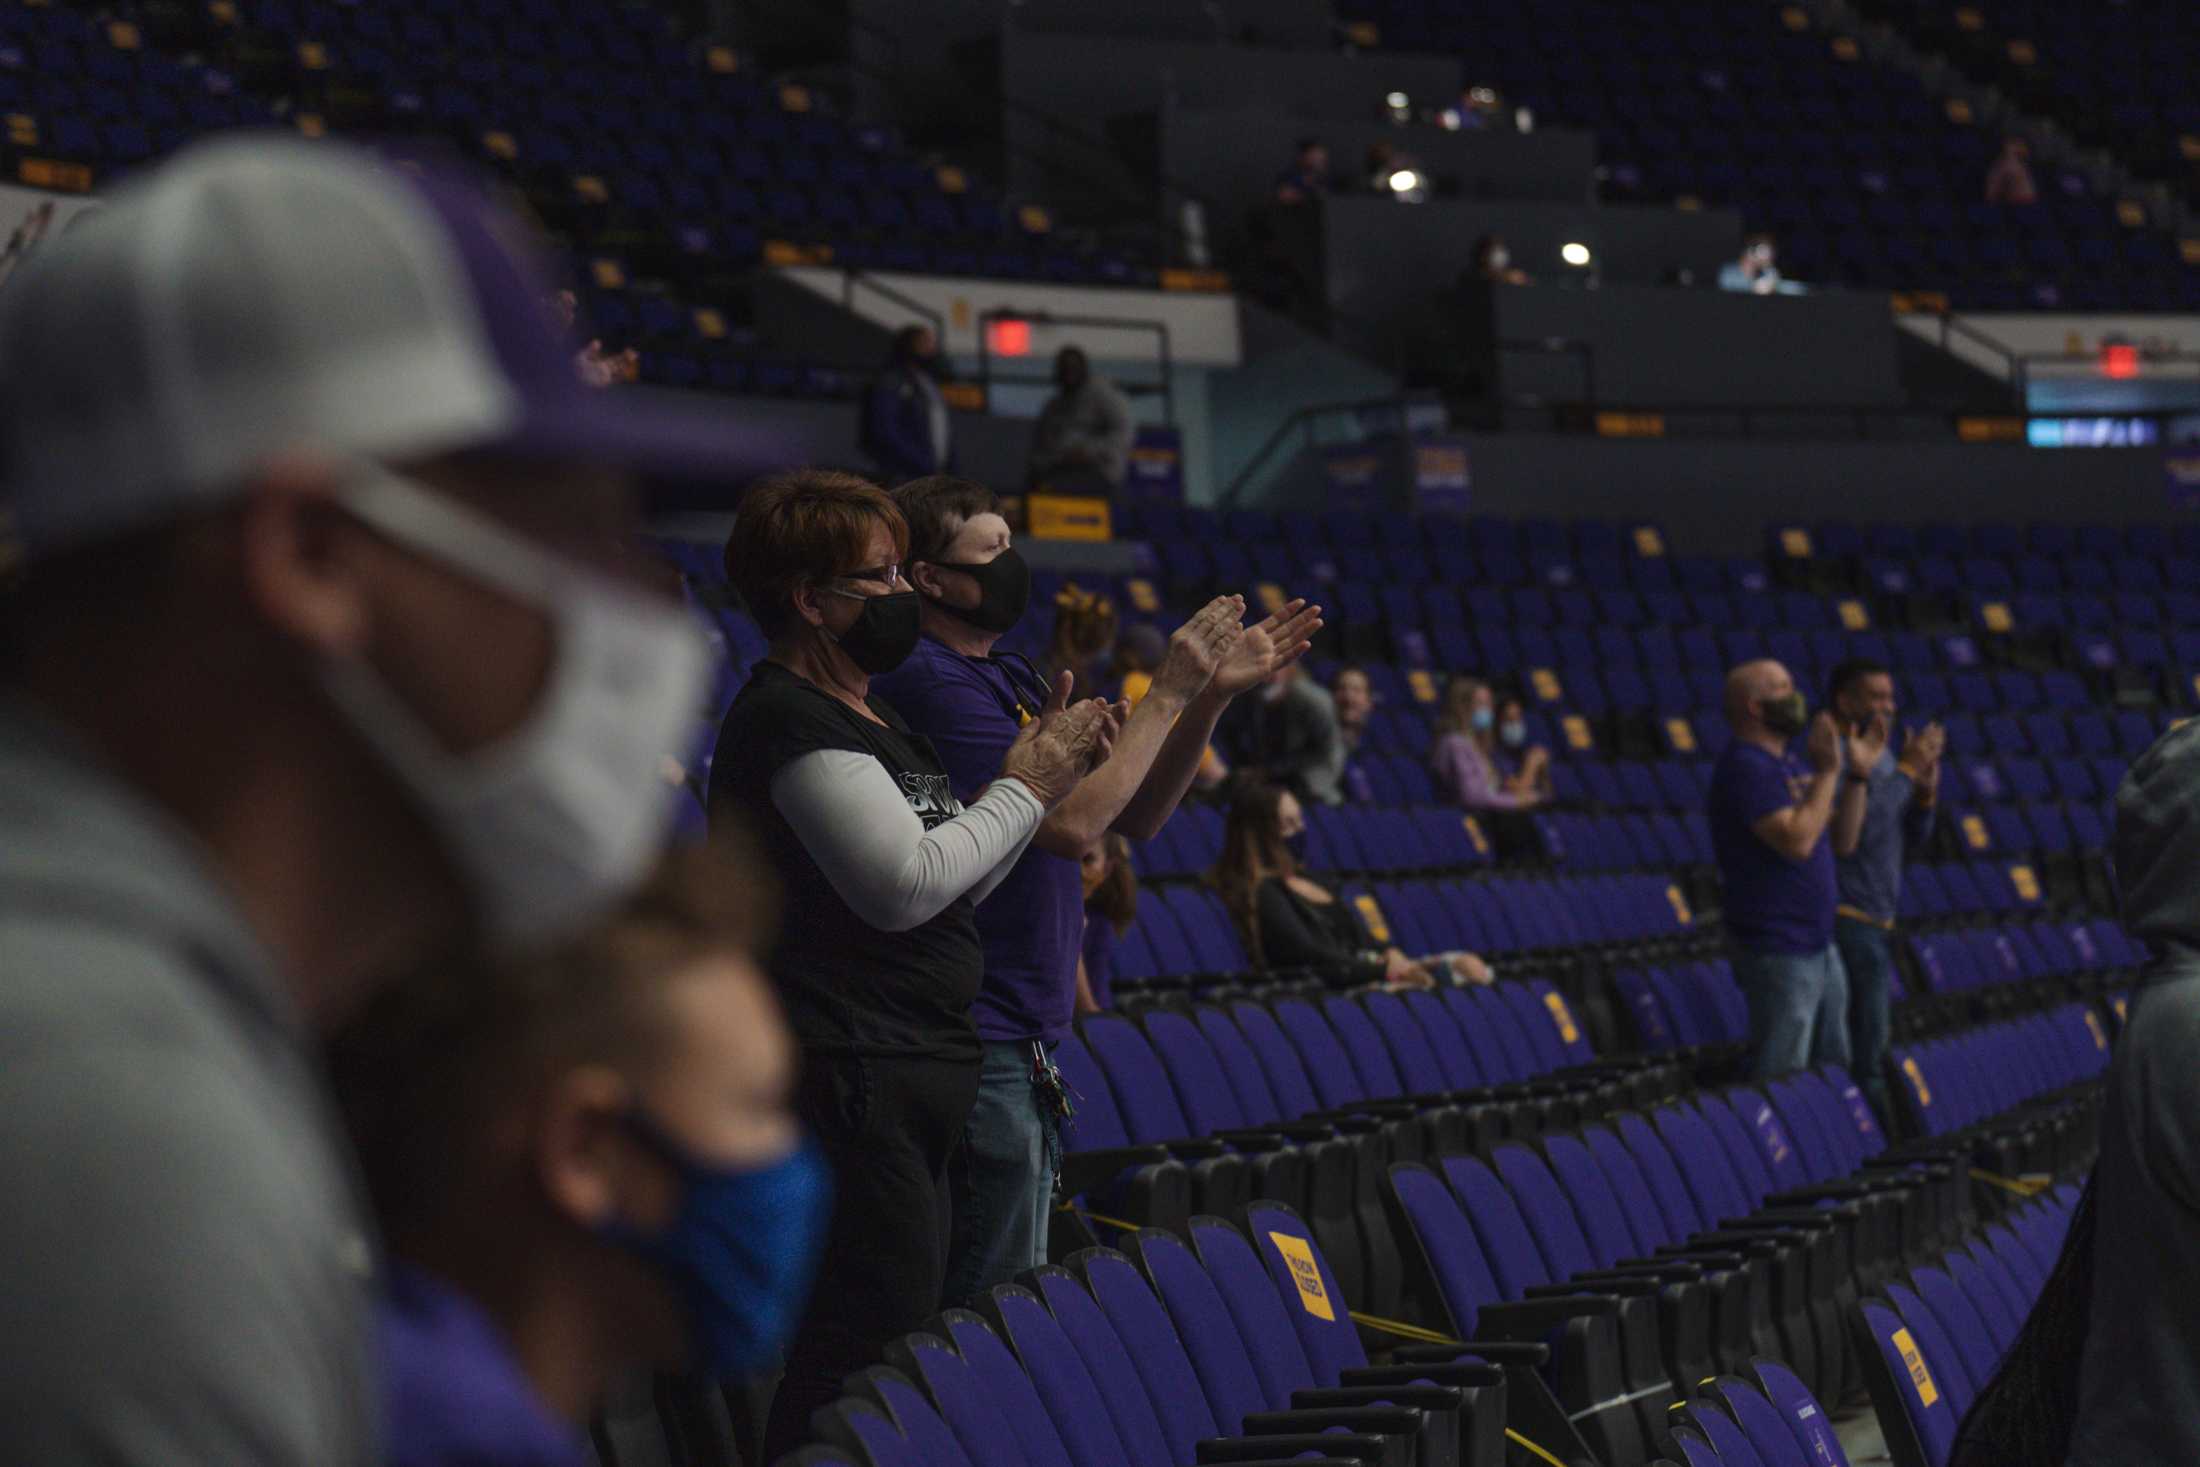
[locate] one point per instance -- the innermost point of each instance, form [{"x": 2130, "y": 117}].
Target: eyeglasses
[{"x": 890, "y": 574}]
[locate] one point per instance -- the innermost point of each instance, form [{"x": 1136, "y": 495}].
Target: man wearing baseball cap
[{"x": 327, "y": 651}]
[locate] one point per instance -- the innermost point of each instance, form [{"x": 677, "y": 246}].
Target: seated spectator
[
  {"x": 1354, "y": 697},
  {"x": 1757, "y": 272},
  {"x": 907, "y": 429},
  {"x": 1287, "y": 734},
  {"x": 584, "y": 1164},
  {"x": 2009, "y": 177},
  {"x": 1288, "y": 920},
  {"x": 1492, "y": 263},
  {"x": 1465, "y": 759},
  {"x": 1082, "y": 443},
  {"x": 1084, "y": 630},
  {"x": 1521, "y": 764},
  {"x": 1111, "y": 901},
  {"x": 1306, "y": 181},
  {"x": 883, "y": 866}
]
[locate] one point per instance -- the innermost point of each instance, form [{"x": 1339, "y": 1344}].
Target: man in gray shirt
[
  {"x": 325, "y": 654},
  {"x": 2139, "y": 1386},
  {"x": 1085, "y": 431}
]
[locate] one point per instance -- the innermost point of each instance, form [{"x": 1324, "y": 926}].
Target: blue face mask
[
  {"x": 1513, "y": 735},
  {"x": 1481, "y": 719},
  {"x": 1296, "y": 845},
  {"x": 740, "y": 1251}
]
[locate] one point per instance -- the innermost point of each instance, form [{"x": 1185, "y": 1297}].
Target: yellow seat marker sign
[
  {"x": 1922, "y": 1378},
  {"x": 1306, "y": 1274}
]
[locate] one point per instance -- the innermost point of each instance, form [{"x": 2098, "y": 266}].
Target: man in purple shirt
[
  {"x": 969, "y": 702},
  {"x": 1770, "y": 814}
]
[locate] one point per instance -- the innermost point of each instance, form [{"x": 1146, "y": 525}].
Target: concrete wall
[
  {"x": 1229, "y": 160},
  {"x": 1088, "y": 82},
  {"x": 1385, "y": 262},
  {"x": 1717, "y": 496},
  {"x": 1661, "y": 346}
]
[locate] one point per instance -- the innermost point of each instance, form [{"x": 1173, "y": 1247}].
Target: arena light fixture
[{"x": 1575, "y": 253}]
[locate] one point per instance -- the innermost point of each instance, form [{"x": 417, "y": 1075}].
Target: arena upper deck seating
[{"x": 1865, "y": 177}]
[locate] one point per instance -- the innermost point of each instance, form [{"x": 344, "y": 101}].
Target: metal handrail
[
  {"x": 1300, "y": 419},
  {"x": 850, "y": 279}
]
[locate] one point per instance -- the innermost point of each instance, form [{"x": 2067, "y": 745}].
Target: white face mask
[{"x": 561, "y": 817}]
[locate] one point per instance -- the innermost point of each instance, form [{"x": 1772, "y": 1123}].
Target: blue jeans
[
  {"x": 1798, "y": 1009},
  {"x": 1003, "y": 1183},
  {"x": 1867, "y": 953}
]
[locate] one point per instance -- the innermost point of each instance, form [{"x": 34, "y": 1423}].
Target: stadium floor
[{"x": 1861, "y": 1441}]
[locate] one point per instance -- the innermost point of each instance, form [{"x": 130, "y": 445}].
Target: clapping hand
[
  {"x": 1063, "y": 744},
  {"x": 1201, "y": 646},
  {"x": 1824, "y": 747},
  {"x": 1867, "y": 741},
  {"x": 1268, "y": 646}
]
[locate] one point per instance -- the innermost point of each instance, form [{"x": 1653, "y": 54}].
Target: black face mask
[
  {"x": 1785, "y": 716},
  {"x": 1004, "y": 590},
  {"x": 883, "y": 634}
]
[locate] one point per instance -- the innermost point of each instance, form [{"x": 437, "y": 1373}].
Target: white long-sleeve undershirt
[{"x": 892, "y": 872}]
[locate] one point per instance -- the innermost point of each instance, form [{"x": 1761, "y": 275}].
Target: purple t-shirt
[
  {"x": 1031, "y": 924},
  {"x": 1773, "y": 905},
  {"x": 1100, "y": 958}
]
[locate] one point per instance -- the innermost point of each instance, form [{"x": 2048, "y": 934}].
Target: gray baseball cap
[{"x": 261, "y": 294}]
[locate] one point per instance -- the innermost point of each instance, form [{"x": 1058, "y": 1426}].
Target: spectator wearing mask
[
  {"x": 1306, "y": 181},
  {"x": 1518, "y": 761},
  {"x": 969, "y": 701},
  {"x": 1757, "y": 272},
  {"x": 1492, "y": 263},
  {"x": 2009, "y": 177},
  {"x": 1288, "y": 735},
  {"x": 1354, "y": 697},
  {"x": 1111, "y": 902},
  {"x": 1466, "y": 759},
  {"x": 907, "y": 429},
  {"x": 1083, "y": 439},
  {"x": 585, "y": 1165},
  {"x": 884, "y": 859},
  {"x": 1770, "y": 827},
  {"x": 338, "y": 508},
  {"x": 1884, "y": 812},
  {"x": 1289, "y": 920}
]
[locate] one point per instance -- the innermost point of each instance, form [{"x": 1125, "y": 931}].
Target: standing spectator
[
  {"x": 1769, "y": 827},
  {"x": 2009, "y": 176},
  {"x": 1354, "y": 698},
  {"x": 907, "y": 429},
  {"x": 1289, "y": 920},
  {"x": 1288, "y": 735},
  {"x": 884, "y": 860},
  {"x": 969, "y": 701},
  {"x": 279, "y": 716},
  {"x": 2107, "y": 1370},
  {"x": 1464, "y": 758},
  {"x": 1885, "y": 810},
  {"x": 1306, "y": 181},
  {"x": 1111, "y": 902},
  {"x": 585, "y": 1164},
  {"x": 1083, "y": 439}
]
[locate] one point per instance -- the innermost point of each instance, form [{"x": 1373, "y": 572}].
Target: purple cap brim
[{"x": 688, "y": 439}]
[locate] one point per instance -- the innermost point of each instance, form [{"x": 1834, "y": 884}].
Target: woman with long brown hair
[{"x": 1289, "y": 920}]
